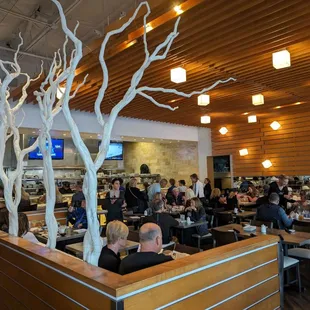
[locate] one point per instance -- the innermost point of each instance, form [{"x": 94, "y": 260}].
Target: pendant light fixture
[
  {"x": 252, "y": 119},
  {"x": 281, "y": 59},
  {"x": 275, "y": 125},
  {"x": 178, "y": 75},
  {"x": 258, "y": 99},
  {"x": 206, "y": 119},
  {"x": 267, "y": 163},
  {"x": 223, "y": 131},
  {"x": 203, "y": 100},
  {"x": 243, "y": 152}
]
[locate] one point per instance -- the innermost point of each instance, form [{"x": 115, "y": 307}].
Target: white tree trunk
[
  {"x": 13, "y": 210},
  {"x": 49, "y": 182},
  {"x": 92, "y": 242}
]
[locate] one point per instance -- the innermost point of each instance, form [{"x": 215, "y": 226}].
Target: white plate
[{"x": 249, "y": 228}]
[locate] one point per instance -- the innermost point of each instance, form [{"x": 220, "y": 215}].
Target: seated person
[
  {"x": 232, "y": 201},
  {"x": 182, "y": 186},
  {"x": 117, "y": 233},
  {"x": 164, "y": 220},
  {"x": 172, "y": 185},
  {"x": 65, "y": 189},
  {"x": 273, "y": 212},
  {"x": 4, "y": 220},
  {"x": 23, "y": 229},
  {"x": 24, "y": 201},
  {"x": 216, "y": 199},
  {"x": 151, "y": 244},
  {"x": 77, "y": 215},
  {"x": 58, "y": 195},
  {"x": 78, "y": 197},
  {"x": 158, "y": 197},
  {"x": 263, "y": 199},
  {"x": 174, "y": 198},
  {"x": 197, "y": 213}
]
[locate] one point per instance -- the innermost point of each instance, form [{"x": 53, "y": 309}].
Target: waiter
[
  {"x": 197, "y": 186},
  {"x": 280, "y": 187}
]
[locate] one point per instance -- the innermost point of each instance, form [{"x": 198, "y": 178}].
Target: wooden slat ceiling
[{"x": 218, "y": 39}]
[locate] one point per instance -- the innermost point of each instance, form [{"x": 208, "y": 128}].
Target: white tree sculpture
[
  {"x": 50, "y": 106},
  {"x": 8, "y": 129},
  {"x": 92, "y": 241}
]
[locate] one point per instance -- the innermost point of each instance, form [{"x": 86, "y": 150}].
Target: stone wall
[{"x": 176, "y": 160}]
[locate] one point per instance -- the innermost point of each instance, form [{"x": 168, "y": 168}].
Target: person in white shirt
[
  {"x": 23, "y": 229},
  {"x": 197, "y": 186}
]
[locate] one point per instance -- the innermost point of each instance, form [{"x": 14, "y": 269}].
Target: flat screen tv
[
  {"x": 221, "y": 163},
  {"x": 115, "y": 151},
  {"x": 57, "y": 150}
]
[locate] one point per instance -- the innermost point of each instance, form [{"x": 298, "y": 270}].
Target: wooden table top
[
  {"x": 184, "y": 225},
  {"x": 243, "y": 214},
  {"x": 297, "y": 238},
  {"x": 77, "y": 248}
]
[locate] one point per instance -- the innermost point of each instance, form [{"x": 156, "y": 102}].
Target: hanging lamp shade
[
  {"x": 178, "y": 75},
  {"x": 281, "y": 59},
  {"x": 275, "y": 125},
  {"x": 206, "y": 119},
  {"x": 258, "y": 99},
  {"x": 223, "y": 131},
  {"x": 60, "y": 92},
  {"x": 243, "y": 152},
  {"x": 267, "y": 163},
  {"x": 252, "y": 119},
  {"x": 203, "y": 100}
]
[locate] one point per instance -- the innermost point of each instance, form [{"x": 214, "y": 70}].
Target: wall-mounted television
[
  {"x": 115, "y": 151},
  {"x": 221, "y": 163},
  {"x": 57, "y": 150}
]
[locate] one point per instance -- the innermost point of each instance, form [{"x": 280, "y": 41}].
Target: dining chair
[
  {"x": 289, "y": 263},
  {"x": 260, "y": 223},
  {"x": 223, "y": 237},
  {"x": 222, "y": 219}
]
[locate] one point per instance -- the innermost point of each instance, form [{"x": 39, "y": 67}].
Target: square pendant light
[
  {"x": 178, "y": 75},
  {"x": 243, "y": 152},
  {"x": 258, "y": 99},
  {"x": 60, "y": 92},
  {"x": 203, "y": 100},
  {"x": 267, "y": 163},
  {"x": 206, "y": 119},
  {"x": 252, "y": 119},
  {"x": 281, "y": 59},
  {"x": 275, "y": 125},
  {"x": 223, "y": 130}
]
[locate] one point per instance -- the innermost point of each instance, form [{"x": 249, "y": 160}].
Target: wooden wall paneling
[
  {"x": 167, "y": 293},
  {"x": 22, "y": 294},
  {"x": 215, "y": 295},
  {"x": 9, "y": 302},
  {"x": 270, "y": 303},
  {"x": 76, "y": 293}
]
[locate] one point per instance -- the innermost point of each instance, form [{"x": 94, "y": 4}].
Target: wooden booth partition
[{"x": 237, "y": 276}]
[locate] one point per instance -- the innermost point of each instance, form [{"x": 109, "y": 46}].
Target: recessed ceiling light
[
  {"x": 245, "y": 113},
  {"x": 278, "y": 107},
  {"x": 178, "y": 9},
  {"x": 149, "y": 27},
  {"x": 297, "y": 103}
]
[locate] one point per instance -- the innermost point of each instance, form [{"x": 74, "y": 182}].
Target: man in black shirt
[
  {"x": 164, "y": 220},
  {"x": 117, "y": 233},
  {"x": 65, "y": 189},
  {"x": 151, "y": 244}
]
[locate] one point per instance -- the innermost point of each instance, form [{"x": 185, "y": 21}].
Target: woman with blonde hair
[
  {"x": 117, "y": 233},
  {"x": 216, "y": 198}
]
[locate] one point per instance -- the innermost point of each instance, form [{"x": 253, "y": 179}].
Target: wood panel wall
[
  {"x": 242, "y": 274},
  {"x": 287, "y": 148}
]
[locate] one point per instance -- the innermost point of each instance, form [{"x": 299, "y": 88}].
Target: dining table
[
  {"x": 183, "y": 225},
  {"x": 240, "y": 215},
  {"x": 77, "y": 248},
  {"x": 294, "y": 239}
]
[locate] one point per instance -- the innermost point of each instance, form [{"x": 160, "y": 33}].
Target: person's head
[
  {"x": 182, "y": 183},
  {"x": 146, "y": 185},
  {"x": 116, "y": 184},
  {"x": 175, "y": 192},
  {"x": 232, "y": 194},
  {"x": 163, "y": 183},
  {"x": 23, "y": 224},
  {"x": 172, "y": 182},
  {"x": 207, "y": 181},
  {"x": 133, "y": 182},
  {"x": 4, "y": 220},
  {"x": 216, "y": 192},
  {"x": 188, "y": 203},
  {"x": 158, "y": 196},
  {"x": 274, "y": 198},
  {"x": 150, "y": 238},
  {"x": 243, "y": 179},
  {"x": 158, "y": 206},
  {"x": 117, "y": 233},
  {"x": 66, "y": 185},
  {"x": 194, "y": 177},
  {"x": 24, "y": 194},
  {"x": 78, "y": 186},
  {"x": 197, "y": 203},
  {"x": 189, "y": 194},
  {"x": 266, "y": 190},
  {"x": 283, "y": 180},
  {"x": 121, "y": 181},
  {"x": 158, "y": 178}
]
